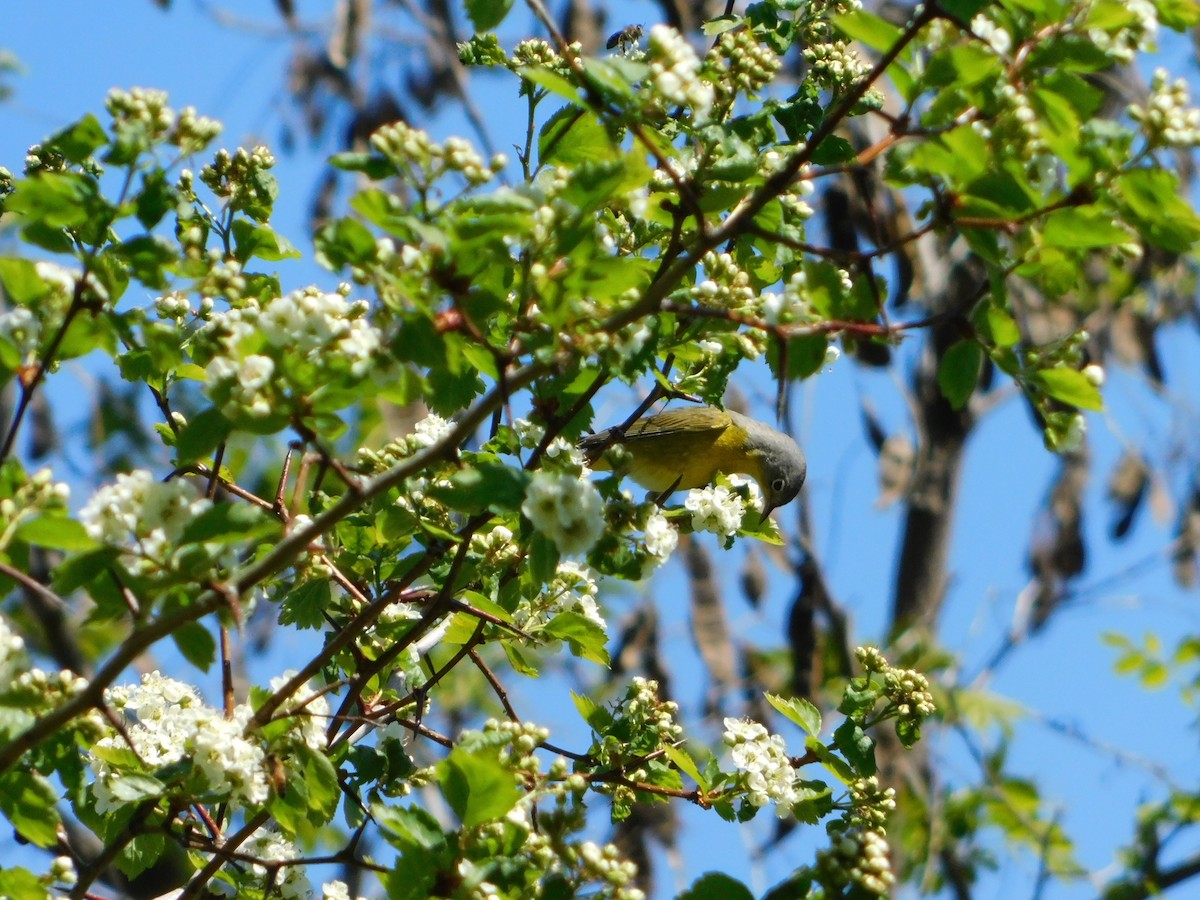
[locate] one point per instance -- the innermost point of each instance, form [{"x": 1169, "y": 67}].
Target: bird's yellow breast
[{"x": 688, "y": 459}]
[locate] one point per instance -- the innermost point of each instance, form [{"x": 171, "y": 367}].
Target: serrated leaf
[
  {"x": 486, "y": 484},
  {"x": 1082, "y": 228},
  {"x": 28, "y": 800},
  {"x": 583, "y": 635},
  {"x": 799, "y": 711},
  {"x": 684, "y": 762},
  {"x": 478, "y": 788}
]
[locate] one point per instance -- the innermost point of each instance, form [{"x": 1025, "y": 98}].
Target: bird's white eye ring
[{"x": 778, "y": 484}]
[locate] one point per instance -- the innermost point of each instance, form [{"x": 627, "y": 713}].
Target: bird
[{"x": 685, "y": 448}]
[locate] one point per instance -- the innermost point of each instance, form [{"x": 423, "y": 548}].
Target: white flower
[
  {"x": 675, "y": 71},
  {"x": 992, "y": 34},
  {"x": 565, "y": 508},
  {"x": 716, "y": 509},
  {"x": 661, "y": 538},
  {"x": 762, "y": 758},
  {"x": 138, "y": 511},
  {"x": 429, "y": 431},
  {"x": 289, "y": 881}
]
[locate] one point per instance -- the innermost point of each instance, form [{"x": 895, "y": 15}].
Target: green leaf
[
  {"x": 1083, "y": 228},
  {"x": 552, "y": 82},
  {"x": 799, "y": 711},
  {"x": 56, "y": 199},
  {"x": 344, "y": 242},
  {"x": 1152, "y": 205},
  {"x": 21, "y": 884},
  {"x": 28, "y": 800},
  {"x": 140, "y": 854},
  {"x": 229, "y": 523},
  {"x": 477, "y": 787},
  {"x": 717, "y": 886},
  {"x": 260, "y": 241},
  {"x": 156, "y": 198},
  {"x": 958, "y": 371},
  {"x": 684, "y": 762},
  {"x": 833, "y": 150},
  {"x": 79, "y": 141},
  {"x": 487, "y": 14},
  {"x": 372, "y": 165},
  {"x": 197, "y": 644},
  {"x": 573, "y": 136},
  {"x": 597, "y": 716},
  {"x": 57, "y": 532},
  {"x": 321, "y": 778},
  {"x": 1069, "y": 386},
  {"x": 21, "y": 280},
  {"x": 870, "y": 29},
  {"x": 202, "y": 435},
  {"x": 543, "y": 558},
  {"x": 303, "y": 605},
  {"x": 486, "y": 484},
  {"x": 584, "y": 636},
  {"x": 81, "y": 569},
  {"x": 857, "y": 746}
]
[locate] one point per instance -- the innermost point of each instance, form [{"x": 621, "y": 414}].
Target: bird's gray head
[{"x": 782, "y": 462}]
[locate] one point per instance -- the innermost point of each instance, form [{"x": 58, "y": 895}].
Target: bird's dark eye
[{"x": 778, "y": 484}]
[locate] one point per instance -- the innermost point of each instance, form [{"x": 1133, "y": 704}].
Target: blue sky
[{"x": 73, "y": 54}]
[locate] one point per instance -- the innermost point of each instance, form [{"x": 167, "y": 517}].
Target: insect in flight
[{"x": 627, "y": 38}]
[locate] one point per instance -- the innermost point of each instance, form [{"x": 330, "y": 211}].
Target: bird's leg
[{"x": 662, "y": 497}]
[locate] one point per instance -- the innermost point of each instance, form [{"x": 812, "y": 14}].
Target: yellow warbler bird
[{"x": 685, "y": 448}]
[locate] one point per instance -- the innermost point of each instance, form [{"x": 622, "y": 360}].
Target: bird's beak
[{"x": 767, "y": 510}]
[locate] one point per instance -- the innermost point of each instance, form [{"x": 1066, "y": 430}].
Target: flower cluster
[
  {"x": 906, "y": 690},
  {"x": 1121, "y": 38},
  {"x": 649, "y": 714},
  {"x": 605, "y": 864},
  {"x": 1167, "y": 119},
  {"x": 141, "y": 117},
  {"x": 143, "y": 516},
  {"x": 991, "y": 34},
  {"x": 856, "y": 857},
  {"x": 566, "y": 508},
  {"x": 726, "y": 284},
  {"x": 272, "y": 853},
  {"x": 30, "y": 498},
  {"x": 675, "y": 71},
  {"x": 835, "y": 65},
  {"x": 537, "y": 53},
  {"x": 573, "y": 588},
  {"x": 415, "y": 153},
  {"x": 307, "y": 338},
  {"x": 13, "y": 657},
  {"x": 241, "y": 178},
  {"x": 1016, "y": 123},
  {"x": 715, "y": 508},
  {"x": 789, "y": 307},
  {"x": 761, "y": 757},
  {"x": 870, "y": 804},
  {"x": 166, "y": 722},
  {"x": 749, "y": 66}
]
